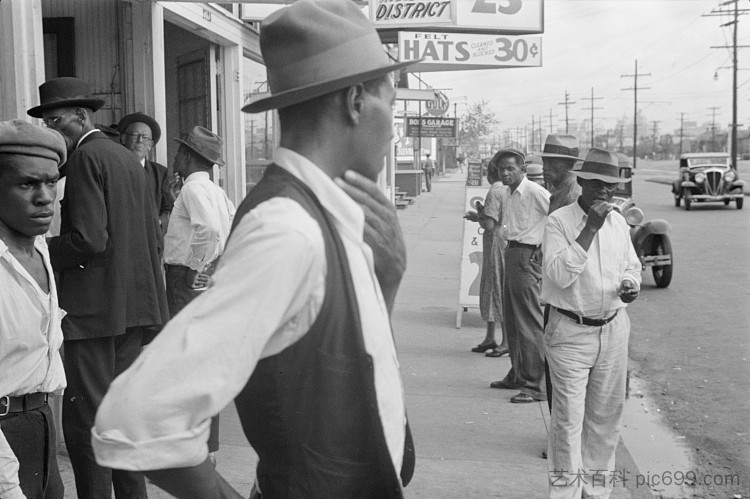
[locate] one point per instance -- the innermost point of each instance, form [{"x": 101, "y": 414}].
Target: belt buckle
[{"x": 7, "y": 405}]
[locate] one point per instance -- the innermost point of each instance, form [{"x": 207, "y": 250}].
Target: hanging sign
[
  {"x": 439, "y": 105},
  {"x": 458, "y": 51},
  {"x": 430, "y": 127}
]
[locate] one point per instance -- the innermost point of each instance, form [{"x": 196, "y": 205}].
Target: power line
[
  {"x": 635, "y": 108},
  {"x": 566, "y": 103},
  {"x": 592, "y": 99}
]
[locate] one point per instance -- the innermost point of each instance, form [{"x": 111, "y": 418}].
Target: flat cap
[
  {"x": 510, "y": 151},
  {"x": 21, "y": 137}
]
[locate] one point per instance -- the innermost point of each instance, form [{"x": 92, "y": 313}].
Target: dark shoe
[
  {"x": 504, "y": 385},
  {"x": 484, "y": 347},
  {"x": 522, "y": 398},
  {"x": 544, "y": 454},
  {"x": 497, "y": 352}
]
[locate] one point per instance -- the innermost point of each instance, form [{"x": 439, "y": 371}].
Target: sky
[{"x": 591, "y": 43}]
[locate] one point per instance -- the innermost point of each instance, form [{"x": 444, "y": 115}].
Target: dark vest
[{"x": 310, "y": 412}]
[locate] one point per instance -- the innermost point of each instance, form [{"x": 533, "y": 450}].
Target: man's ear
[{"x": 355, "y": 101}]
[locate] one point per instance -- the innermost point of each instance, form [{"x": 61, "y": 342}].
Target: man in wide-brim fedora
[
  {"x": 295, "y": 327},
  {"x": 590, "y": 273},
  {"x": 559, "y": 155},
  {"x": 110, "y": 284}
]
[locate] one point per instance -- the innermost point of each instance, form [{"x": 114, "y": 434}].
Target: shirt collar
[
  {"x": 521, "y": 186},
  {"x": 197, "y": 176},
  {"x": 143, "y": 162},
  {"x": 343, "y": 208},
  {"x": 85, "y": 135}
]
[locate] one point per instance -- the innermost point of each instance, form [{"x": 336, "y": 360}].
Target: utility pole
[
  {"x": 541, "y": 144},
  {"x": 592, "y": 99},
  {"x": 551, "y": 130},
  {"x": 635, "y": 108},
  {"x": 655, "y": 133},
  {"x": 566, "y": 103},
  {"x": 735, "y": 13},
  {"x": 533, "y": 132}
]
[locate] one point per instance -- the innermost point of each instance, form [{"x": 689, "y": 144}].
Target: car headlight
[
  {"x": 634, "y": 216},
  {"x": 700, "y": 177},
  {"x": 729, "y": 176}
]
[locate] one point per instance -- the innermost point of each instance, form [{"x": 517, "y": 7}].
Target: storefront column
[
  {"x": 234, "y": 134},
  {"x": 142, "y": 46},
  {"x": 21, "y": 57}
]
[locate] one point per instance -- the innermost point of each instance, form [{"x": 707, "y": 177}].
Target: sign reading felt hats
[{"x": 454, "y": 51}]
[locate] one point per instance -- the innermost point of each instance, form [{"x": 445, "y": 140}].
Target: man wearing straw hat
[
  {"x": 590, "y": 273},
  {"x": 110, "y": 284},
  {"x": 295, "y": 326}
]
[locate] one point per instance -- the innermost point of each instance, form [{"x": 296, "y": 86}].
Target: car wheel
[
  {"x": 739, "y": 202},
  {"x": 663, "y": 273},
  {"x": 688, "y": 201},
  {"x": 726, "y": 202}
]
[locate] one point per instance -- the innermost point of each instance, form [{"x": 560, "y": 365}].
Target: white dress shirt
[
  {"x": 30, "y": 340},
  {"x": 586, "y": 282},
  {"x": 199, "y": 224},
  {"x": 264, "y": 296},
  {"x": 524, "y": 213}
]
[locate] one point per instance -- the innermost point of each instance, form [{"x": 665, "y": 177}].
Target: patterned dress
[{"x": 491, "y": 284}]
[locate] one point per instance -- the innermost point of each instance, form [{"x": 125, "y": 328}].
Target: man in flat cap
[
  {"x": 525, "y": 206},
  {"x": 139, "y": 132},
  {"x": 590, "y": 273},
  {"x": 111, "y": 283},
  {"x": 31, "y": 370},
  {"x": 295, "y": 327}
]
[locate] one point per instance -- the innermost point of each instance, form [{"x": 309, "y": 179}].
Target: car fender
[
  {"x": 738, "y": 183},
  {"x": 644, "y": 233},
  {"x": 687, "y": 183}
]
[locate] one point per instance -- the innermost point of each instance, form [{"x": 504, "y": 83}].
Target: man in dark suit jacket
[
  {"x": 140, "y": 133},
  {"x": 110, "y": 281}
]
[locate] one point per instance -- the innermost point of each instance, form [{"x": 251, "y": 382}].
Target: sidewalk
[{"x": 471, "y": 442}]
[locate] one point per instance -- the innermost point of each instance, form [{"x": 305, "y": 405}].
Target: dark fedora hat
[
  {"x": 64, "y": 92},
  {"x": 314, "y": 47},
  {"x": 204, "y": 143},
  {"x": 561, "y": 146},
  {"x": 126, "y": 121},
  {"x": 601, "y": 164}
]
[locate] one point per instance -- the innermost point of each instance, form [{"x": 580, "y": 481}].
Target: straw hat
[
  {"x": 601, "y": 164},
  {"x": 204, "y": 143},
  {"x": 314, "y": 47},
  {"x": 64, "y": 92},
  {"x": 561, "y": 146}
]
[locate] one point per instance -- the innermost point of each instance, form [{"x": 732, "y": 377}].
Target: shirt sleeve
[
  {"x": 10, "y": 486},
  {"x": 156, "y": 415},
  {"x": 205, "y": 224},
  {"x": 87, "y": 214},
  {"x": 563, "y": 260}
]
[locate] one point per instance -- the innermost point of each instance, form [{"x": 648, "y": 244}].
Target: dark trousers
[
  {"x": 179, "y": 294},
  {"x": 90, "y": 366},
  {"x": 31, "y": 436},
  {"x": 522, "y": 312},
  {"x": 428, "y": 180},
  {"x": 547, "y": 377}
]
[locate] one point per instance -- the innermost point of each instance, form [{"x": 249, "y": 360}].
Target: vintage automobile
[
  {"x": 650, "y": 239},
  {"x": 707, "y": 176}
]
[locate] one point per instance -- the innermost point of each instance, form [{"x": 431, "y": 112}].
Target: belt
[
  {"x": 516, "y": 244},
  {"x": 176, "y": 268},
  {"x": 22, "y": 403},
  {"x": 585, "y": 320}
]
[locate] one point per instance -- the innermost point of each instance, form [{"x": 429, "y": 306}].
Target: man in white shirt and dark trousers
[
  {"x": 591, "y": 271},
  {"x": 525, "y": 209},
  {"x": 198, "y": 227},
  {"x": 30, "y": 332},
  {"x": 296, "y": 324}
]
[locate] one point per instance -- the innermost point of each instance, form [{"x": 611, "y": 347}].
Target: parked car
[
  {"x": 707, "y": 176},
  {"x": 650, "y": 239}
]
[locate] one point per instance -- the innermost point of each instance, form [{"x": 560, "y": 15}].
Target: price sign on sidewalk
[{"x": 472, "y": 255}]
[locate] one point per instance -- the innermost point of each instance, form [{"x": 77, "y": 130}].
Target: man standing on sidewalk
[
  {"x": 31, "y": 370},
  {"x": 428, "y": 167},
  {"x": 295, "y": 327},
  {"x": 591, "y": 271},
  {"x": 110, "y": 283},
  {"x": 198, "y": 228},
  {"x": 524, "y": 215}
]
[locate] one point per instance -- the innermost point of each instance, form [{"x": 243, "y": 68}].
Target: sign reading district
[
  {"x": 431, "y": 127},
  {"x": 454, "y": 51}
]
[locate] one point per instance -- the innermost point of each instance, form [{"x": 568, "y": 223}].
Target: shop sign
[
  {"x": 431, "y": 127},
  {"x": 455, "y": 51},
  {"x": 439, "y": 105}
]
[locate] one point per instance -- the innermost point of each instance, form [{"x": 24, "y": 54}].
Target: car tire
[
  {"x": 688, "y": 201},
  {"x": 726, "y": 202},
  {"x": 739, "y": 202},
  {"x": 663, "y": 274}
]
